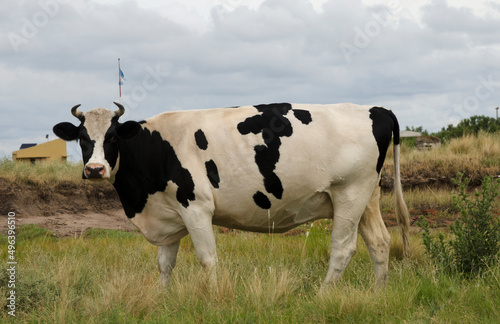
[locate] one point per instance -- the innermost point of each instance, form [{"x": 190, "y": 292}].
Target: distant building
[
  {"x": 46, "y": 152},
  {"x": 422, "y": 142},
  {"x": 427, "y": 142}
]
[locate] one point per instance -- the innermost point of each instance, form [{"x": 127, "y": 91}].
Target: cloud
[
  {"x": 442, "y": 18},
  {"x": 429, "y": 68}
]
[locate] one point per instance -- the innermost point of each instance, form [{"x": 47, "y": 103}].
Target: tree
[
  {"x": 469, "y": 126},
  {"x": 419, "y": 129}
]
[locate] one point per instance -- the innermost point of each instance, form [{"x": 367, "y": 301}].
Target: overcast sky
[{"x": 432, "y": 62}]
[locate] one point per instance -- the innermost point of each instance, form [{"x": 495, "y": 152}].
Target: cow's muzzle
[{"x": 94, "y": 171}]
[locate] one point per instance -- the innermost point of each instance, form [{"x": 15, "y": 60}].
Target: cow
[{"x": 246, "y": 168}]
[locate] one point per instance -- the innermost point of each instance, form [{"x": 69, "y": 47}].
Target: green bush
[
  {"x": 475, "y": 242},
  {"x": 472, "y": 125}
]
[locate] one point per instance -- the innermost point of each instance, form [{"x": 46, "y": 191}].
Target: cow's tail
[{"x": 402, "y": 214}]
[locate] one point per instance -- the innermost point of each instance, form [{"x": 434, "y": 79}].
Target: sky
[{"x": 433, "y": 62}]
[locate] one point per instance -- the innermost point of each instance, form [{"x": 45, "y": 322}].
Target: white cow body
[
  {"x": 327, "y": 166},
  {"x": 312, "y": 164}
]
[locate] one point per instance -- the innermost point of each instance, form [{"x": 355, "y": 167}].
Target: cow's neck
[{"x": 147, "y": 163}]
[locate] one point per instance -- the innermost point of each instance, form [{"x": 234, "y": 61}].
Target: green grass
[{"x": 111, "y": 277}]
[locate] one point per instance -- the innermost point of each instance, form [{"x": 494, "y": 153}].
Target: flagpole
[{"x": 119, "y": 80}]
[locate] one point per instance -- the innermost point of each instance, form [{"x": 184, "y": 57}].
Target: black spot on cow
[
  {"x": 147, "y": 164},
  {"x": 266, "y": 158},
  {"x": 200, "y": 139},
  {"x": 384, "y": 126},
  {"x": 273, "y": 124},
  {"x": 86, "y": 144},
  {"x": 212, "y": 173},
  {"x": 303, "y": 115},
  {"x": 110, "y": 143},
  {"x": 261, "y": 200}
]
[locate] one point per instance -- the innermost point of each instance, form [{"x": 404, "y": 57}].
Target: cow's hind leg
[
  {"x": 167, "y": 257},
  {"x": 376, "y": 237},
  {"x": 348, "y": 206}
]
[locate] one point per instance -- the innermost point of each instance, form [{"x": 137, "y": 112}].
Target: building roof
[
  {"x": 27, "y": 145},
  {"x": 409, "y": 134}
]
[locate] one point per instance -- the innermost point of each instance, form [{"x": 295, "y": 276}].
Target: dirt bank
[
  {"x": 67, "y": 208},
  {"x": 49, "y": 199}
]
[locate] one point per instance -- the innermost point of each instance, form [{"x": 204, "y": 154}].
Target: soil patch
[
  {"x": 66, "y": 208},
  {"x": 77, "y": 224},
  {"x": 48, "y": 199},
  {"x": 69, "y": 208}
]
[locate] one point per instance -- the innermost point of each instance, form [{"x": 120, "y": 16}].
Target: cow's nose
[{"x": 94, "y": 171}]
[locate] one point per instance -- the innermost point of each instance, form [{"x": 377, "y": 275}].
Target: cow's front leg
[
  {"x": 202, "y": 235},
  {"x": 167, "y": 256}
]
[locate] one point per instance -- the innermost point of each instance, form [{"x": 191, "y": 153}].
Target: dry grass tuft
[
  {"x": 29, "y": 173},
  {"x": 270, "y": 288},
  {"x": 474, "y": 156}
]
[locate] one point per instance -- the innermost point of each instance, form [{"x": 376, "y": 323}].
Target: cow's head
[{"x": 99, "y": 134}]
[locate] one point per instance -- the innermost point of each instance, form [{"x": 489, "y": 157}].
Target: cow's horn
[
  {"x": 121, "y": 109},
  {"x": 75, "y": 112}
]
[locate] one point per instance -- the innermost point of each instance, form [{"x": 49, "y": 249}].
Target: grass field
[{"x": 109, "y": 276}]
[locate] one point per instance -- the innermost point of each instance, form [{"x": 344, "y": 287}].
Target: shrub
[{"x": 475, "y": 242}]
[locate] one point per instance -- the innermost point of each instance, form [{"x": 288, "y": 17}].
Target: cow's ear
[
  {"x": 66, "y": 131},
  {"x": 129, "y": 129}
]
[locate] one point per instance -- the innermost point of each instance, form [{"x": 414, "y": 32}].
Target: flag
[{"x": 122, "y": 77}]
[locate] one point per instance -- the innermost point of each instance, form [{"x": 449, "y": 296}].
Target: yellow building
[{"x": 46, "y": 152}]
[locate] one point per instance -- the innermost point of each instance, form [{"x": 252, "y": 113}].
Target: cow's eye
[{"x": 110, "y": 139}]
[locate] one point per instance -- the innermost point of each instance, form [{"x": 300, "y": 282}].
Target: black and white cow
[{"x": 178, "y": 173}]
